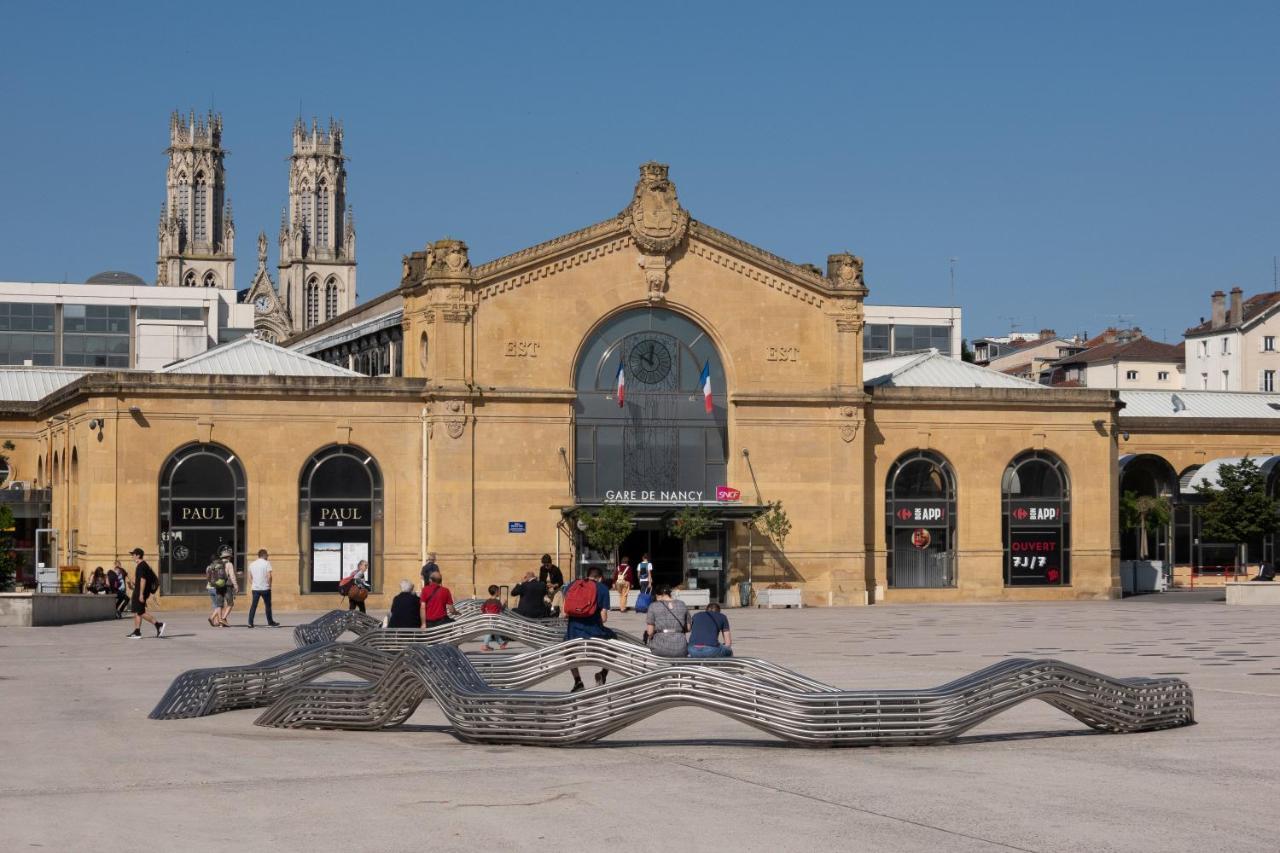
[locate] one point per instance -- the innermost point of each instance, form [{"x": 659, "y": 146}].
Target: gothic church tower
[
  {"x": 196, "y": 234},
  {"x": 317, "y": 232}
]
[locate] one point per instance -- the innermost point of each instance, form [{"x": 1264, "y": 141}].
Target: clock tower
[{"x": 271, "y": 320}]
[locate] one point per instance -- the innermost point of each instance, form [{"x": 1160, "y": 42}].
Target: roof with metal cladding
[
  {"x": 29, "y": 384},
  {"x": 1199, "y": 404},
  {"x": 932, "y": 369},
  {"x": 250, "y": 356}
]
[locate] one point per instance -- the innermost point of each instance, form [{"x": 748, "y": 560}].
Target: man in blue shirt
[{"x": 704, "y": 634}]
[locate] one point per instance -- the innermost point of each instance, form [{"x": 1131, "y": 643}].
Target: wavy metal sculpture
[
  {"x": 333, "y": 625},
  {"x": 756, "y": 693}
]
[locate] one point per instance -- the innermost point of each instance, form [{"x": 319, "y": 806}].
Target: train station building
[{"x": 648, "y": 360}]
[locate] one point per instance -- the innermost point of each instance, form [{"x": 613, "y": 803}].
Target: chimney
[
  {"x": 1047, "y": 334},
  {"x": 1109, "y": 335},
  {"x": 1217, "y": 314},
  {"x": 1237, "y": 306}
]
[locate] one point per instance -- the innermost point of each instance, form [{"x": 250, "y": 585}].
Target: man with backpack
[
  {"x": 586, "y": 604},
  {"x": 145, "y": 584}
]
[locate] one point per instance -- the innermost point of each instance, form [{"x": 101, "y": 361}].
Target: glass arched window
[
  {"x": 340, "y": 523},
  {"x": 322, "y": 215},
  {"x": 312, "y": 294},
  {"x": 202, "y": 510},
  {"x": 210, "y": 280},
  {"x": 189, "y": 280},
  {"x": 331, "y": 299},
  {"x": 920, "y": 521},
  {"x": 1036, "y": 495}
]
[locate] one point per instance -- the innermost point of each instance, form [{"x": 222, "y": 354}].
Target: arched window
[
  {"x": 189, "y": 279},
  {"x": 39, "y": 471},
  {"x": 331, "y": 298},
  {"x": 200, "y": 227},
  {"x": 183, "y": 212},
  {"x": 920, "y": 521},
  {"x": 322, "y": 214},
  {"x": 1036, "y": 495},
  {"x": 210, "y": 280},
  {"x": 1147, "y": 475},
  {"x": 308, "y": 200},
  {"x": 340, "y": 506},
  {"x": 202, "y": 510},
  {"x": 312, "y": 294},
  {"x": 422, "y": 353}
]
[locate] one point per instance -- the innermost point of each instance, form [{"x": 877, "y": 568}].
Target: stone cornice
[
  {"x": 779, "y": 399},
  {"x": 1201, "y": 426},
  {"x": 1079, "y": 400},
  {"x": 764, "y": 259},
  {"x": 565, "y": 243}
]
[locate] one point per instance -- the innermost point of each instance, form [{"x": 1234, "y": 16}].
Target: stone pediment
[
  {"x": 659, "y": 230},
  {"x": 270, "y": 316}
]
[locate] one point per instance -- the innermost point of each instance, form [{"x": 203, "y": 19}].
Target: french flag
[
  {"x": 622, "y": 384},
  {"x": 705, "y": 381}
]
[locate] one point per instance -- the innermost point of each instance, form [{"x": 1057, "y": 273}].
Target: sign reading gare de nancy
[{"x": 724, "y": 494}]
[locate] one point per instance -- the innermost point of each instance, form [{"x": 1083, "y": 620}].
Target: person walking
[
  {"x": 705, "y": 631},
  {"x": 666, "y": 624},
  {"x": 404, "y": 608},
  {"x": 215, "y": 575},
  {"x": 229, "y": 589},
  {"x": 437, "y": 603},
  {"x": 586, "y": 604},
  {"x": 623, "y": 579},
  {"x": 145, "y": 584},
  {"x": 645, "y": 571},
  {"x": 428, "y": 567},
  {"x": 357, "y": 580},
  {"x": 260, "y": 587}
]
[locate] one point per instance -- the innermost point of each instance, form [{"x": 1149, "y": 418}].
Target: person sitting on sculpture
[
  {"x": 404, "y": 608},
  {"x": 533, "y": 597}
]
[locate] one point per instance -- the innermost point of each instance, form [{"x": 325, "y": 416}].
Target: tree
[
  {"x": 774, "y": 523},
  {"x": 966, "y": 354},
  {"x": 691, "y": 523},
  {"x": 1239, "y": 508},
  {"x": 607, "y": 528},
  {"x": 8, "y": 559},
  {"x": 1143, "y": 513}
]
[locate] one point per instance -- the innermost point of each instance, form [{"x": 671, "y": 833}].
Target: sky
[{"x": 1085, "y": 163}]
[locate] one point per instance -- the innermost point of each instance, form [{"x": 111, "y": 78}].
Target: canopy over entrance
[{"x": 1209, "y": 472}]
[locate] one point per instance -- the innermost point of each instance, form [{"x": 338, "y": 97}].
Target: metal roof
[
  {"x": 1199, "y": 404},
  {"x": 250, "y": 356},
  {"x": 1208, "y": 472},
  {"x": 28, "y": 384},
  {"x": 351, "y": 333},
  {"x": 932, "y": 369}
]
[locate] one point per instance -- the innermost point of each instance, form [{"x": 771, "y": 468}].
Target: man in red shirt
[{"x": 437, "y": 603}]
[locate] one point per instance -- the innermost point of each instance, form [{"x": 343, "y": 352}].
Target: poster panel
[
  {"x": 352, "y": 554},
  {"x": 326, "y": 562},
  {"x": 1035, "y": 557}
]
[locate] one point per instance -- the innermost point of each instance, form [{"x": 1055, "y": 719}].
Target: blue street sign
[{"x": 515, "y": 527}]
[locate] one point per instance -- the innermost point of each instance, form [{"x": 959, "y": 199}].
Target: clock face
[
  {"x": 650, "y": 360},
  {"x": 262, "y": 304}
]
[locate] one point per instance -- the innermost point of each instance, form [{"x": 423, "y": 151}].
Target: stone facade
[
  {"x": 197, "y": 233},
  {"x": 479, "y": 451}
]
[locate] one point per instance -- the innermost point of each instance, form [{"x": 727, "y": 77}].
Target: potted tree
[
  {"x": 775, "y": 525},
  {"x": 1142, "y": 513},
  {"x": 1238, "y": 509},
  {"x": 8, "y": 560},
  {"x": 607, "y": 528}
]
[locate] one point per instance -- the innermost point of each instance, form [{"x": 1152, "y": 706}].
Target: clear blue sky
[{"x": 1081, "y": 160}]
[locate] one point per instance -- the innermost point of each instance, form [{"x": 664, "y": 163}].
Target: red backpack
[{"x": 580, "y": 599}]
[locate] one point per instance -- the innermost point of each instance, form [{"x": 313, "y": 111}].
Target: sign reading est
[{"x": 515, "y": 527}]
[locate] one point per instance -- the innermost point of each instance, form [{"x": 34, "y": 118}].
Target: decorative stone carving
[
  {"x": 655, "y": 275},
  {"x": 848, "y": 429},
  {"x": 657, "y": 221},
  {"x": 844, "y": 270},
  {"x": 448, "y": 256},
  {"x": 455, "y": 421}
]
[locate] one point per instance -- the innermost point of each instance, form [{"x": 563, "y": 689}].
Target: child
[{"x": 492, "y": 606}]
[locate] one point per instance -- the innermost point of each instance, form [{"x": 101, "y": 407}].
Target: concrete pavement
[{"x": 84, "y": 769}]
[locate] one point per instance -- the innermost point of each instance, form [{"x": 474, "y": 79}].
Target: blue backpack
[{"x": 643, "y": 600}]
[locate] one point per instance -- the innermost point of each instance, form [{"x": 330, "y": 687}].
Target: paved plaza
[{"x": 84, "y": 769}]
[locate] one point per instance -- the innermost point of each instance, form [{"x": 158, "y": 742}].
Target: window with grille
[
  {"x": 322, "y": 215},
  {"x": 313, "y": 302},
  {"x": 330, "y": 299},
  {"x": 199, "y": 226}
]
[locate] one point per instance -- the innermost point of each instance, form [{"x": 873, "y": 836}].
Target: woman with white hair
[{"x": 404, "y": 608}]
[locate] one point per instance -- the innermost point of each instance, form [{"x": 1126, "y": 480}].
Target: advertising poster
[
  {"x": 352, "y": 554},
  {"x": 326, "y": 562},
  {"x": 1035, "y": 557}
]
